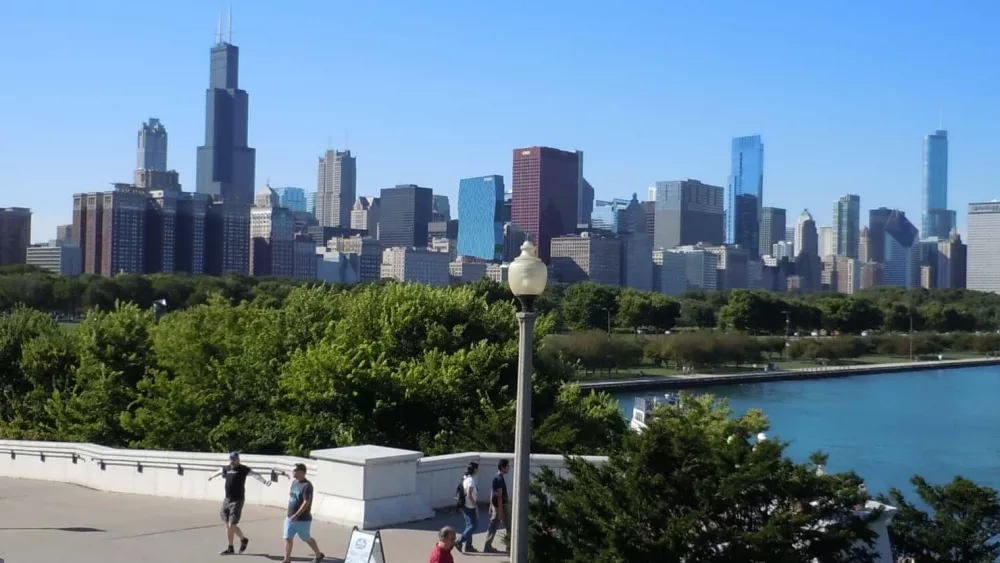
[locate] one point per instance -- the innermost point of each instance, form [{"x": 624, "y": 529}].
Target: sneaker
[
  {"x": 471, "y": 549},
  {"x": 227, "y": 551},
  {"x": 243, "y": 544},
  {"x": 319, "y": 558}
]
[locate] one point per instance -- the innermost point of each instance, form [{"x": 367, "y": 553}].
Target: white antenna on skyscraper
[
  {"x": 218, "y": 34},
  {"x": 230, "y": 40}
]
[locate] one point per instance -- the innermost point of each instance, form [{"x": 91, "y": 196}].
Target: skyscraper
[
  {"x": 846, "y": 225},
  {"x": 934, "y": 196},
  {"x": 772, "y": 228},
  {"x": 293, "y": 199},
  {"x": 440, "y": 208},
  {"x": 405, "y": 212},
  {"x": 586, "y": 198},
  {"x": 746, "y": 193},
  {"x": 876, "y": 233},
  {"x": 901, "y": 252},
  {"x": 825, "y": 241},
  {"x": 225, "y": 163},
  {"x": 365, "y": 215},
  {"x": 807, "y": 261},
  {"x": 983, "y": 248},
  {"x": 272, "y": 236},
  {"x": 15, "y": 235},
  {"x": 547, "y": 186},
  {"x": 336, "y": 189},
  {"x": 687, "y": 212},
  {"x": 152, "y": 146},
  {"x": 480, "y": 209},
  {"x": 605, "y": 214}
]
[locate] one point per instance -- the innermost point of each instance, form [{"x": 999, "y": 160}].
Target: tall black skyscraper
[
  {"x": 405, "y": 213},
  {"x": 225, "y": 163}
]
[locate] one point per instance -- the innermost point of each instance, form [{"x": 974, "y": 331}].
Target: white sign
[{"x": 364, "y": 547}]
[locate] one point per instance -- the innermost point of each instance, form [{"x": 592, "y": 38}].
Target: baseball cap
[{"x": 234, "y": 455}]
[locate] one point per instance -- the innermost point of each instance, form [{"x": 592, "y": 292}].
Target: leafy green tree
[
  {"x": 115, "y": 356},
  {"x": 961, "y": 527},
  {"x": 752, "y": 311},
  {"x": 682, "y": 490},
  {"x": 588, "y": 305},
  {"x": 18, "y": 329},
  {"x": 697, "y": 313}
]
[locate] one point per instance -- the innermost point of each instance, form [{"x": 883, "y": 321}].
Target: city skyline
[{"x": 802, "y": 122}]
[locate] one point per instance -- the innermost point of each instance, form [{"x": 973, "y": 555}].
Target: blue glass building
[
  {"x": 480, "y": 213},
  {"x": 292, "y": 198},
  {"x": 935, "y": 220},
  {"x": 746, "y": 193},
  {"x": 605, "y": 214}
]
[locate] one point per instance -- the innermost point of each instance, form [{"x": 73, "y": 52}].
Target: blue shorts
[{"x": 297, "y": 528}]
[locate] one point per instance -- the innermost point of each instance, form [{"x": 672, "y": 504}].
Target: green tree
[
  {"x": 962, "y": 526},
  {"x": 683, "y": 491},
  {"x": 752, "y": 311},
  {"x": 588, "y": 305}
]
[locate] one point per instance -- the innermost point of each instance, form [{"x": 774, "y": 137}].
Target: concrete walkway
[{"x": 44, "y": 521}]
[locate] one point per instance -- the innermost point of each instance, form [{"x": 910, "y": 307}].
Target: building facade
[
  {"x": 686, "y": 268},
  {"x": 772, "y": 229},
  {"x": 440, "y": 208},
  {"x": 365, "y": 215},
  {"x": 688, "y": 212},
  {"x": 825, "y": 238},
  {"x": 291, "y": 198},
  {"x": 950, "y": 269},
  {"x": 416, "y": 265},
  {"x": 336, "y": 188},
  {"x": 846, "y": 225},
  {"x": 587, "y": 256},
  {"x": 605, "y": 215},
  {"x": 746, "y": 193},
  {"x": 983, "y": 248},
  {"x": 15, "y": 235},
  {"x": 480, "y": 207},
  {"x": 935, "y": 218},
  {"x": 547, "y": 194},
  {"x": 226, "y": 164},
  {"x": 152, "y": 146},
  {"x": 876, "y": 233},
  {"x": 272, "y": 237},
  {"x": 466, "y": 271},
  {"x": 901, "y": 253},
  {"x": 111, "y": 230},
  {"x": 369, "y": 253},
  {"x": 405, "y": 214},
  {"x": 59, "y": 258}
]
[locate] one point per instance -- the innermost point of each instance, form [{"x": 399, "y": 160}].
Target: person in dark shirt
[
  {"x": 499, "y": 506},
  {"x": 235, "y": 475},
  {"x": 299, "y": 519}
]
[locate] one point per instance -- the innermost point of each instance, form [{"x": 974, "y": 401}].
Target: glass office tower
[
  {"x": 746, "y": 193},
  {"x": 480, "y": 212},
  {"x": 935, "y": 219}
]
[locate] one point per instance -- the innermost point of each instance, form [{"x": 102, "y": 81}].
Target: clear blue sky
[{"x": 431, "y": 92}]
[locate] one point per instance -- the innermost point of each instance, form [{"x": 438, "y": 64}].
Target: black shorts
[{"x": 231, "y": 511}]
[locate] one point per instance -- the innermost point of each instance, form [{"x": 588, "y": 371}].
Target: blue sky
[{"x": 431, "y": 92}]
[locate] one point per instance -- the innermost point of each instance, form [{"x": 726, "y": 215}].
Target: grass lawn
[{"x": 649, "y": 370}]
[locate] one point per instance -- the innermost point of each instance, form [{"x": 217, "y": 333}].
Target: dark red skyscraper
[{"x": 547, "y": 188}]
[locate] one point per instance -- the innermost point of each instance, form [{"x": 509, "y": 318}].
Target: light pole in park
[{"x": 527, "y": 276}]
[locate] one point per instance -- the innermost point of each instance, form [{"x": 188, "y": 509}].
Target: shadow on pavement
[
  {"x": 269, "y": 557},
  {"x": 69, "y": 529}
]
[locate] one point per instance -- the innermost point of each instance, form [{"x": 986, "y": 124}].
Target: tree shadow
[{"x": 77, "y": 529}]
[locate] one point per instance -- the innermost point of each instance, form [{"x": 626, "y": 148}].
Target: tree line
[
  {"x": 400, "y": 365},
  {"x": 579, "y": 306},
  {"x": 593, "y": 351}
]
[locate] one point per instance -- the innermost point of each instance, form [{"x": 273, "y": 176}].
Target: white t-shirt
[{"x": 469, "y": 486}]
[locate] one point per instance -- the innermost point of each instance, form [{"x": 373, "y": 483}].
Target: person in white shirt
[{"x": 469, "y": 508}]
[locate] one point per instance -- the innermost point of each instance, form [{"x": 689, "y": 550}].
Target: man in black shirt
[
  {"x": 500, "y": 509},
  {"x": 235, "y": 475}
]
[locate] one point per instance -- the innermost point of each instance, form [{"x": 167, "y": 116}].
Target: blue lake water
[{"x": 885, "y": 427}]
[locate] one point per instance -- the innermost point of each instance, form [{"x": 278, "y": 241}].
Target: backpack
[{"x": 460, "y": 494}]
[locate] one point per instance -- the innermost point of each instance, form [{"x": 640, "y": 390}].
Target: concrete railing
[{"x": 367, "y": 486}]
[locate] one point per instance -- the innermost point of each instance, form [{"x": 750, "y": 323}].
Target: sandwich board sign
[{"x": 365, "y": 547}]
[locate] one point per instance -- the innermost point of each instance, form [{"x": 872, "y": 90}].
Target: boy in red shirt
[{"x": 442, "y": 549}]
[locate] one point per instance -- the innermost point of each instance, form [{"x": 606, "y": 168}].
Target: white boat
[{"x": 643, "y": 407}]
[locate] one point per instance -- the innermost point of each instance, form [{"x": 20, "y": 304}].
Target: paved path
[{"x": 43, "y": 522}]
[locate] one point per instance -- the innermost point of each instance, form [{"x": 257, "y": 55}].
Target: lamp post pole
[
  {"x": 522, "y": 447},
  {"x": 527, "y": 276}
]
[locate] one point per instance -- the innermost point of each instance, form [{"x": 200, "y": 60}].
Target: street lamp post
[
  {"x": 788, "y": 332},
  {"x": 527, "y": 276}
]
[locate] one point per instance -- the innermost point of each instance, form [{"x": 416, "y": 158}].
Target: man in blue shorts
[{"x": 299, "y": 519}]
